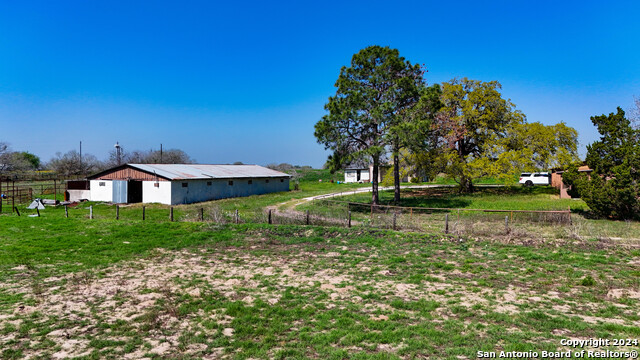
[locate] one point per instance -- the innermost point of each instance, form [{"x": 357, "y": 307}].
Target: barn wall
[
  {"x": 160, "y": 194},
  {"x": 77, "y": 195},
  {"x": 198, "y": 190},
  {"x": 101, "y": 193}
]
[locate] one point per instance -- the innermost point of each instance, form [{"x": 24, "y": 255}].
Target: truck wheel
[{"x": 528, "y": 183}]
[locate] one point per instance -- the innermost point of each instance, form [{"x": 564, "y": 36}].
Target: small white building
[
  {"x": 174, "y": 184},
  {"x": 364, "y": 174},
  {"x": 356, "y": 174}
]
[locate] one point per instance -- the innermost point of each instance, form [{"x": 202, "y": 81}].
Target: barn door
[
  {"x": 119, "y": 191},
  {"x": 134, "y": 191}
]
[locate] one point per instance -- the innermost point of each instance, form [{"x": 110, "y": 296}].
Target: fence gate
[{"x": 119, "y": 191}]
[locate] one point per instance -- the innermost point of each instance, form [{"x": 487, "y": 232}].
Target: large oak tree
[{"x": 472, "y": 121}]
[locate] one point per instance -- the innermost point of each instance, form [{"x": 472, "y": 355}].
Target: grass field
[
  {"x": 130, "y": 289},
  {"x": 471, "y": 221},
  {"x": 506, "y": 198}
]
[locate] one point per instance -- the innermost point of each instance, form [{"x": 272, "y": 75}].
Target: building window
[
  {"x": 230, "y": 182},
  {"x": 267, "y": 181},
  {"x": 281, "y": 180},
  {"x": 101, "y": 183},
  {"x": 156, "y": 184},
  {"x": 208, "y": 183},
  {"x": 250, "y": 182},
  {"x": 185, "y": 184}
]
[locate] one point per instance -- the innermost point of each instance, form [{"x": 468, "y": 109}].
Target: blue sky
[{"x": 247, "y": 81}]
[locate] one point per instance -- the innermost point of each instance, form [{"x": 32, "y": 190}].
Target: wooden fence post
[
  {"x": 201, "y": 214},
  {"x": 90, "y": 211},
  {"x": 349, "y": 222},
  {"x": 446, "y": 223},
  {"x": 143, "y": 212},
  {"x": 171, "y": 213},
  {"x": 307, "y": 220},
  {"x": 66, "y": 211},
  {"x": 117, "y": 212},
  {"x": 237, "y": 217}
]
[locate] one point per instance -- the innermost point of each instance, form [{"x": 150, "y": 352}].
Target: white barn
[{"x": 174, "y": 184}]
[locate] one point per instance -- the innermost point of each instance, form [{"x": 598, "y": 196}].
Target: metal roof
[{"x": 202, "y": 171}]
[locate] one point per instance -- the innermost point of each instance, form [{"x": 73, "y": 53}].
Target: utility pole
[{"x": 81, "y": 170}]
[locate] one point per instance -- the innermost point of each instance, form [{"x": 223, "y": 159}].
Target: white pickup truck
[{"x": 538, "y": 178}]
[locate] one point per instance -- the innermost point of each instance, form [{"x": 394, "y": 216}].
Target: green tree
[
  {"x": 373, "y": 96},
  {"x": 13, "y": 161},
  {"x": 471, "y": 127},
  {"x": 534, "y": 146},
  {"x": 422, "y": 156},
  {"x": 32, "y": 159},
  {"x": 612, "y": 189}
]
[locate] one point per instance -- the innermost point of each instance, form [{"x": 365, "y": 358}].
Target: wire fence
[
  {"x": 326, "y": 212},
  {"x": 448, "y": 220},
  {"x": 19, "y": 192}
]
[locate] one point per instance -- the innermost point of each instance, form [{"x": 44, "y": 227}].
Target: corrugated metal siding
[
  {"x": 119, "y": 191},
  {"x": 130, "y": 174},
  {"x": 200, "y": 190}
]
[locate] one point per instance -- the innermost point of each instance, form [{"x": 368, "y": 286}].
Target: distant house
[
  {"x": 359, "y": 173},
  {"x": 173, "y": 184},
  {"x": 557, "y": 182}
]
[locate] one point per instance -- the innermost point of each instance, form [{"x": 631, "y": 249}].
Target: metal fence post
[
  {"x": 38, "y": 211},
  {"x": 17, "y": 211},
  {"x": 349, "y": 223},
  {"x": 394, "y": 220},
  {"x": 171, "y": 213},
  {"x": 506, "y": 223},
  {"x": 143, "y": 212},
  {"x": 117, "y": 212},
  {"x": 269, "y": 217},
  {"x": 66, "y": 211},
  {"x": 307, "y": 217},
  {"x": 201, "y": 214},
  {"x": 237, "y": 217},
  {"x": 90, "y": 211},
  {"x": 446, "y": 223}
]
